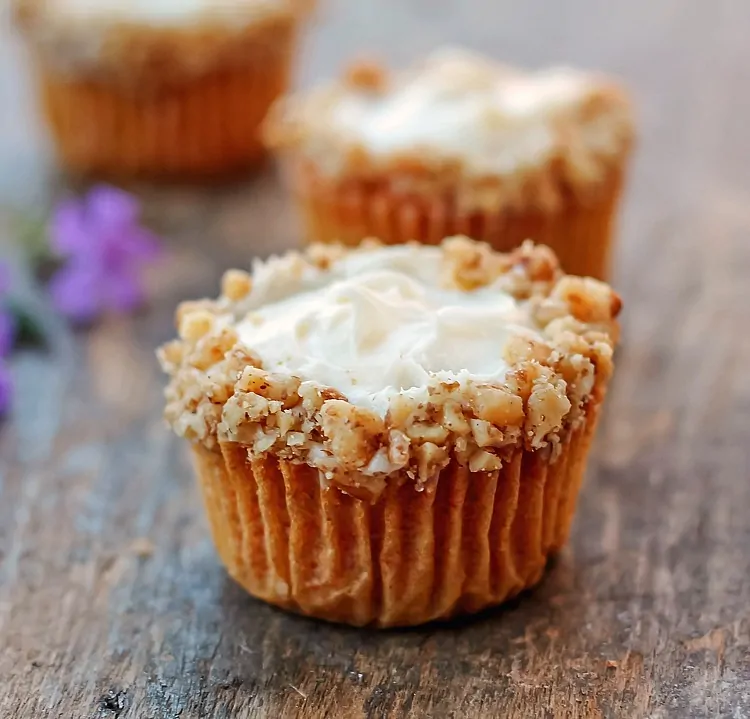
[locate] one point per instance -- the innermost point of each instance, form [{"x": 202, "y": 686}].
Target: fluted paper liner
[
  {"x": 580, "y": 231},
  {"x": 207, "y": 125},
  {"x": 466, "y": 542}
]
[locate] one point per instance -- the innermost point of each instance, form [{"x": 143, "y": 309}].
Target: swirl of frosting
[{"x": 378, "y": 328}]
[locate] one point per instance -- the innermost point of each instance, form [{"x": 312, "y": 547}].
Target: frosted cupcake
[
  {"x": 392, "y": 435},
  {"x": 160, "y": 87},
  {"x": 461, "y": 145}
]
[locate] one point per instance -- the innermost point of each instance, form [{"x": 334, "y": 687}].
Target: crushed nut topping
[{"x": 219, "y": 391}]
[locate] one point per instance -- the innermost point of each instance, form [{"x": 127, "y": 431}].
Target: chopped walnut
[
  {"x": 427, "y": 432},
  {"x": 210, "y": 349},
  {"x": 323, "y": 256},
  {"x": 523, "y": 349},
  {"x": 486, "y": 434},
  {"x": 431, "y": 459},
  {"x": 588, "y": 300},
  {"x": 352, "y": 432},
  {"x": 546, "y": 410},
  {"x": 171, "y": 356},
  {"x": 367, "y": 75},
  {"x": 194, "y": 325},
  {"x": 236, "y": 285},
  {"x": 469, "y": 265},
  {"x": 497, "y": 405},
  {"x": 483, "y": 461}
]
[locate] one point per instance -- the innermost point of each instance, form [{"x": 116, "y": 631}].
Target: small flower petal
[
  {"x": 110, "y": 209},
  {"x": 6, "y": 389},
  {"x": 7, "y": 332},
  {"x": 76, "y": 291},
  {"x": 68, "y": 232}
]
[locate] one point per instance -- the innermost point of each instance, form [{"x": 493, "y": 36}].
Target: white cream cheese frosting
[
  {"x": 499, "y": 120},
  {"x": 458, "y": 106},
  {"x": 157, "y": 12},
  {"x": 378, "y": 323},
  {"x": 127, "y": 39}
]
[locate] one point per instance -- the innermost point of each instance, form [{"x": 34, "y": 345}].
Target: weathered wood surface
[{"x": 112, "y": 602}]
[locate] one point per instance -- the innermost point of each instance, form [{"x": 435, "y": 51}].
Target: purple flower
[
  {"x": 7, "y": 332},
  {"x": 105, "y": 250},
  {"x": 6, "y": 389},
  {"x": 7, "y": 323}
]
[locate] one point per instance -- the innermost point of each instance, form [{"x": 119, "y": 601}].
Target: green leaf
[{"x": 29, "y": 327}]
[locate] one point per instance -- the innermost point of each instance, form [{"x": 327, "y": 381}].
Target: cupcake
[
  {"x": 160, "y": 87},
  {"x": 460, "y": 145},
  {"x": 390, "y": 435}
]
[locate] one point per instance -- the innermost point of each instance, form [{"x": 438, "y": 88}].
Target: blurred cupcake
[
  {"x": 461, "y": 145},
  {"x": 392, "y": 435},
  {"x": 160, "y": 87}
]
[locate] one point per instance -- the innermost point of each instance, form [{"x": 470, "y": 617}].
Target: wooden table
[{"x": 112, "y": 601}]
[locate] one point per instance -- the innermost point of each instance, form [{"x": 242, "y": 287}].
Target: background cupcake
[
  {"x": 160, "y": 86},
  {"x": 461, "y": 144}
]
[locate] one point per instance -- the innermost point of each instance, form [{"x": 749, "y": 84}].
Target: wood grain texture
[{"x": 112, "y": 601}]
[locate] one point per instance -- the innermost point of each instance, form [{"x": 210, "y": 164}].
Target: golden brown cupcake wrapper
[
  {"x": 580, "y": 232},
  {"x": 466, "y": 542},
  {"x": 204, "y": 125}
]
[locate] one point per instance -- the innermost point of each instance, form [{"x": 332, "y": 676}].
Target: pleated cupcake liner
[
  {"x": 581, "y": 231},
  {"x": 468, "y": 541},
  {"x": 202, "y": 126}
]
